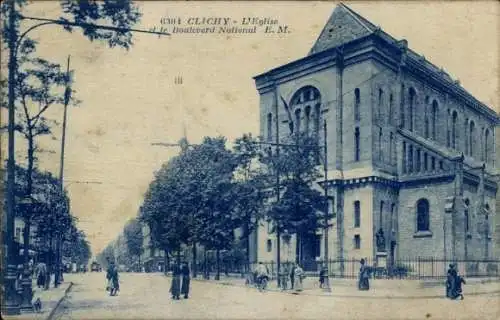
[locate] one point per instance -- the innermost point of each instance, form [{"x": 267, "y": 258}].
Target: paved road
[{"x": 145, "y": 296}]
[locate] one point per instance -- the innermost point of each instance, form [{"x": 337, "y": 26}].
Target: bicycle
[{"x": 262, "y": 283}]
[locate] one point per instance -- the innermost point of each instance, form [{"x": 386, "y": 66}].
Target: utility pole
[
  {"x": 325, "y": 167},
  {"x": 10, "y": 305},
  {"x": 278, "y": 232},
  {"x": 67, "y": 97}
]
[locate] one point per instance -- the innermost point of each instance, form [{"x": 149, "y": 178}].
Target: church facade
[{"x": 411, "y": 154}]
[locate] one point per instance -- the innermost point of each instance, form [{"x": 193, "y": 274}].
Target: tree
[
  {"x": 300, "y": 204},
  {"x": 134, "y": 238},
  {"x": 250, "y": 183}
]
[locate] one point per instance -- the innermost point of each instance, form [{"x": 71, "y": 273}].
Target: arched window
[
  {"x": 486, "y": 145},
  {"x": 466, "y": 213},
  {"x": 297, "y": 120},
  {"x": 426, "y": 162},
  {"x": 380, "y": 149},
  {"x": 411, "y": 107},
  {"x": 303, "y": 99},
  {"x": 356, "y": 144},
  {"x": 380, "y": 104},
  {"x": 357, "y": 103},
  {"x": 423, "y": 215},
  {"x": 404, "y": 157},
  {"x": 391, "y": 150},
  {"x": 454, "y": 130},
  {"x": 357, "y": 214},
  {"x": 418, "y": 161},
  {"x": 466, "y": 135},
  {"x": 448, "y": 131},
  {"x": 391, "y": 109},
  {"x": 472, "y": 132},
  {"x": 316, "y": 119},
  {"x": 434, "y": 119},
  {"x": 269, "y": 126},
  {"x": 308, "y": 119},
  {"x": 402, "y": 107},
  {"x": 269, "y": 245},
  {"x": 426, "y": 118},
  {"x": 410, "y": 159}
]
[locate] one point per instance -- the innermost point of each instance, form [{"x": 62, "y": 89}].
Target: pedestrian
[
  {"x": 113, "y": 281},
  {"x": 364, "y": 274},
  {"x": 322, "y": 276},
  {"x": 185, "y": 280},
  {"x": 459, "y": 280},
  {"x": 292, "y": 276},
  {"x": 176, "y": 283},
  {"x": 298, "y": 278},
  {"x": 284, "y": 278},
  {"x": 451, "y": 276},
  {"x": 41, "y": 274}
]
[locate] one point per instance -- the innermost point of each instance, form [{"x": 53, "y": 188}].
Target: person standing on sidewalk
[
  {"x": 298, "y": 277},
  {"x": 41, "y": 274},
  {"x": 292, "y": 275},
  {"x": 175, "y": 287},
  {"x": 185, "y": 280}
]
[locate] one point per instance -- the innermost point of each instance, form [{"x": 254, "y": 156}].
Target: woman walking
[
  {"x": 175, "y": 287},
  {"x": 298, "y": 277},
  {"x": 185, "y": 280},
  {"x": 112, "y": 277},
  {"x": 364, "y": 275}
]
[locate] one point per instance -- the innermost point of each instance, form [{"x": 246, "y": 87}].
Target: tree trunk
[
  {"x": 297, "y": 248},
  {"x": 179, "y": 256},
  {"x": 207, "y": 272},
  {"x": 167, "y": 261},
  {"x": 194, "y": 267},
  {"x": 217, "y": 275}
]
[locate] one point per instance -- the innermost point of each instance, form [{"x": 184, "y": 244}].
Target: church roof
[{"x": 344, "y": 25}]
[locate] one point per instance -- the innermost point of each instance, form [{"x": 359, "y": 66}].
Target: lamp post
[
  {"x": 325, "y": 186},
  {"x": 10, "y": 303}
]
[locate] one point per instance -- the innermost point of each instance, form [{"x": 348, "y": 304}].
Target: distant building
[
  {"x": 397, "y": 129},
  {"x": 152, "y": 258}
]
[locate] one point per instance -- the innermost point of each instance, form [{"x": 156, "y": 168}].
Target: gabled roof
[{"x": 344, "y": 25}]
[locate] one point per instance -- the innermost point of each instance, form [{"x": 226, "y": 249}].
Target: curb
[
  {"x": 53, "y": 312},
  {"x": 305, "y": 292}
]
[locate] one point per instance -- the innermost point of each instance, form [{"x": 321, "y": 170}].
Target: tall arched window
[
  {"x": 308, "y": 119},
  {"x": 466, "y": 213},
  {"x": 356, "y": 144},
  {"x": 269, "y": 126},
  {"x": 448, "y": 129},
  {"x": 297, "y": 120},
  {"x": 486, "y": 145},
  {"x": 391, "y": 148},
  {"x": 411, "y": 107},
  {"x": 423, "y": 219},
  {"x": 434, "y": 119},
  {"x": 472, "y": 132},
  {"x": 316, "y": 119},
  {"x": 426, "y": 118},
  {"x": 303, "y": 99},
  {"x": 454, "y": 130},
  {"x": 380, "y": 104},
  {"x": 410, "y": 159},
  {"x": 390, "y": 115},
  {"x": 402, "y": 107},
  {"x": 466, "y": 136},
  {"x": 357, "y": 103},
  {"x": 404, "y": 157}
]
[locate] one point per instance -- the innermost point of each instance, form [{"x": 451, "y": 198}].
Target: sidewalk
[
  {"x": 379, "y": 288},
  {"x": 50, "y": 301}
]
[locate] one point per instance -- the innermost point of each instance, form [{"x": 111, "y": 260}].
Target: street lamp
[
  {"x": 325, "y": 187},
  {"x": 10, "y": 303}
]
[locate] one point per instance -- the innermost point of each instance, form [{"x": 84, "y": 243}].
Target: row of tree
[
  {"x": 208, "y": 191},
  {"x": 35, "y": 85},
  {"x": 126, "y": 249}
]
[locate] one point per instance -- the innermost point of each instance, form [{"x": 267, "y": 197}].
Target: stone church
[{"x": 411, "y": 154}]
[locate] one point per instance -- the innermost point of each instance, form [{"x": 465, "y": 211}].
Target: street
[{"x": 146, "y": 296}]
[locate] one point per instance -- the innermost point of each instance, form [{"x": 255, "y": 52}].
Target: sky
[{"x": 129, "y": 99}]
